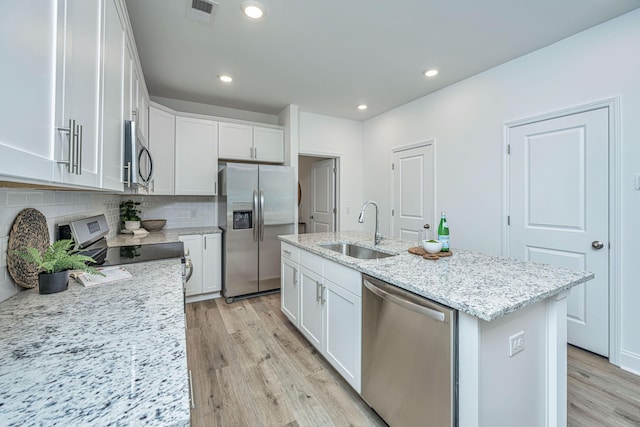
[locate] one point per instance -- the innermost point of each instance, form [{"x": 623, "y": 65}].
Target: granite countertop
[
  {"x": 482, "y": 285},
  {"x": 113, "y": 354},
  {"x": 162, "y": 236}
]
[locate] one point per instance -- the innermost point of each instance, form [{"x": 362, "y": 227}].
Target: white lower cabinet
[
  {"x": 204, "y": 252},
  {"x": 290, "y": 283},
  {"x": 311, "y": 307},
  {"x": 323, "y": 299}
]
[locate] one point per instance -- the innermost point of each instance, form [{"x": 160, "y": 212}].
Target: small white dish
[{"x": 432, "y": 247}]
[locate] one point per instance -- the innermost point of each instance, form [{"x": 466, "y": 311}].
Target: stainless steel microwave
[{"x": 138, "y": 164}]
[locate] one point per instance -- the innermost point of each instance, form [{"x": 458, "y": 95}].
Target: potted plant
[
  {"x": 55, "y": 263},
  {"x": 129, "y": 215}
]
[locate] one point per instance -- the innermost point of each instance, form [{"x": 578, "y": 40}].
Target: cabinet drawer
[
  {"x": 311, "y": 262},
  {"x": 345, "y": 277},
  {"x": 290, "y": 252}
]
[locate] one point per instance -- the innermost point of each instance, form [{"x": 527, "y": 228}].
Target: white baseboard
[
  {"x": 630, "y": 362},
  {"x": 202, "y": 297}
]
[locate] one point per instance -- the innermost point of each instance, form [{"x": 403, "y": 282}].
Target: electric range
[{"x": 90, "y": 234}]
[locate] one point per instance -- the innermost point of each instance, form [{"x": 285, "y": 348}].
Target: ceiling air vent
[{"x": 201, "y": 10}]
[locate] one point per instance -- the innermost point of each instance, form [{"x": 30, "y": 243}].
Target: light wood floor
[{"x": 251, "y": 367}]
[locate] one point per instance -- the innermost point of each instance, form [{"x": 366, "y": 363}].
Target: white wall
[
  {"x": 334, "y": 137},
  {"x": 467, "y": 119}
]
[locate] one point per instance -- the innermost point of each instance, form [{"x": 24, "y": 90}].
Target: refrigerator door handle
[
  {"x": 261, "y": 215},
  {"x": 255, "y": 215}
]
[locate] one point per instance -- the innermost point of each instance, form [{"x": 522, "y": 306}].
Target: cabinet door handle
[
  {"x": 295, "y": 274},
  {"x": 69, "y": 130},
  {"x": 128, "y": 180},
  {"x": 288, "y": 253},
  {"x": 205, "y": 243},
  {"x": 318, "y": 291},
  {"x": 323, "y": 290},
  {"x": 79, "y": 152},
  {"x": 255, "y": 153}
]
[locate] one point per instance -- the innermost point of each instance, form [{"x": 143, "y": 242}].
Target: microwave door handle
[
  {"x": 145, "y": 151},
  {"x": 255, "y": 216}
]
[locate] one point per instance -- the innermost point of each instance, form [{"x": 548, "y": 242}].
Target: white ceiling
[{"x": 328, "y": 56}]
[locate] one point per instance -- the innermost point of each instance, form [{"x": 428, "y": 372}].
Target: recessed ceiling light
[
  {"x": 225, "y": 78},
  {"x": 362, "y": 107},
  {"x": 431, "y": 73},
  {"x": 253, "y": 9}
]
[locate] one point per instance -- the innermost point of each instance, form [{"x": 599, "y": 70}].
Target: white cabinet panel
[
  {"x": 78, "y": 92},
  {"x": 343, "y": 332},
  {"x": 236, "y": 141},
  {"x": 311, "y": 307},
  {"x": 290, "y": 290},
  {"x": 268, "y": 144},
  {"x": 253, "y": 143},
  {"x": 211, "y": 263},
  {"x": 28, "y": 31},
  {"x": 113, "y": 98},
  {"x": 196, "y": 157},
  {"x": 162, "y": 129}
]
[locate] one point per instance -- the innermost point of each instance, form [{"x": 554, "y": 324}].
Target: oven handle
[
  {"x": 434, "y": 314},
  {"x": 189, "y": 266}
]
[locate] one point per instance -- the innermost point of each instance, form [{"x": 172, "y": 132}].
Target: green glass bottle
[{"x": 443, "y": 233}]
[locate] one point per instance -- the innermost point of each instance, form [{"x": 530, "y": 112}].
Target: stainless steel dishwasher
[{"x": 409, "y": 357}]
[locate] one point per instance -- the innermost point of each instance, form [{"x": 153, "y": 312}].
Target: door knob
[
  {"x": 427, "y": 226},
  {"x": 597, "y": 244}
]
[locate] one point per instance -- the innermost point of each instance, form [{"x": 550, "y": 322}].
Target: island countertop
[
  {"x": 112, "y": 354},
  {"x": 482, "y": 285}
]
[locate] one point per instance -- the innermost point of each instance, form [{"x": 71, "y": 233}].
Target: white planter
[{"x": 132, "y": 225}]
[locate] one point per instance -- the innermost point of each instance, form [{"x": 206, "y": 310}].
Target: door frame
[
  {"x": 336, "y": 158},
  {"x": 424, "y": 143},
  {"x": 615, "y": 211}
]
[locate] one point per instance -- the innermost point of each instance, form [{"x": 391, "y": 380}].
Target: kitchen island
[
  {"x": 496, "y": 299},
  {"x": 112, "y": 354}
]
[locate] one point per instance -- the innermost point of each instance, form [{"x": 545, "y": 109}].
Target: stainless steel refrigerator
[{"x": 258, "y": 203}]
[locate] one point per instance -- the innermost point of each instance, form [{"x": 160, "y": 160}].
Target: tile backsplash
[
  {"x": 179, "y": 211},
  {"x": 60, "y": 207}
]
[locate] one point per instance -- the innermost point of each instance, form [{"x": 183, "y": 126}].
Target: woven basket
[{"x": 29, "y": 230}]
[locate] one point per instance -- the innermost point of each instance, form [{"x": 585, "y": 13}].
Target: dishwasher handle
[{"x": 429, "y": 312}]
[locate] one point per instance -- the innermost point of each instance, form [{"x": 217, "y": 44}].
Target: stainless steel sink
[{"x": 355, "y": 251}]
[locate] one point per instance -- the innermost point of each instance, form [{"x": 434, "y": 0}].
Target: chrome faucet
[{"x": 378, "y": 236}]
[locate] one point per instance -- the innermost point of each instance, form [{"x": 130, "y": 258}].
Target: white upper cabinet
[
  {"x": 27, "y": 53},
  {"x": 112, "y": 90},
  {"x": 162, "y": 131},
  {"x": 78, "y": 92},
  {"x": 268, "y": 144},
  {"x": 68, "y": 82},
  {"x": 236, "y": 141},
  {"x": 196, "y": 157},
  {"x": 252, "y": 143}
]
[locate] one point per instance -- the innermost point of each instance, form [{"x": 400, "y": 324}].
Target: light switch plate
[{"x": 637, "y": 181}]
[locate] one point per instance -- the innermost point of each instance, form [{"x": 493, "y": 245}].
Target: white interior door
[
  {"x": 323, "y": 196},
  {"x": 413, "y": 192},
  {"x": 558, "y": 207}
]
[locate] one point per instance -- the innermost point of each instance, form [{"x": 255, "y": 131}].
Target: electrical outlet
[{"x": 516, "y": 343}]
